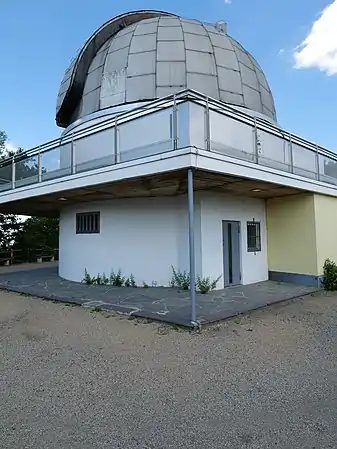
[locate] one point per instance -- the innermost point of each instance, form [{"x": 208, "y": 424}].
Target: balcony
[{"x": 186, "y": 120}]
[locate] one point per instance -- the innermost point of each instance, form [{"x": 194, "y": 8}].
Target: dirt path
[{"x": 72, "y": 378}]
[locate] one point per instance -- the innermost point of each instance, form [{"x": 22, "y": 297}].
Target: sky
[{"x": 295, "y": 42}]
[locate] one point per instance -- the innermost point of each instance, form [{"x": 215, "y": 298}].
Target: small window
[
  {"x": 253, "y": 236},
  {"x": 88, "y": 223}
]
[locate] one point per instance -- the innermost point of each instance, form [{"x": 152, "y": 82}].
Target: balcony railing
[{"x": 182, "y": 120}]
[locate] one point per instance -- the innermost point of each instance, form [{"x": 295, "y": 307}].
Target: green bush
[
  {"x": 206, "y": 284},
  {"x": 329, "y": 275},
  {"x": 115, "y": 279},
  {"x": 88, "y": 279},
  {"x": 180, "y": 279},
  {"x": 130, "y": 282}
]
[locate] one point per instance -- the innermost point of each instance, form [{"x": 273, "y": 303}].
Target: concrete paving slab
[{"x": 159, "y": 303}]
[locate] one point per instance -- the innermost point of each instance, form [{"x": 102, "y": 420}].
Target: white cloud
[
  {"x": 319, "y": 48},
  {"x": 228, "y": 2},
  {"x": 10, "y": 146}
]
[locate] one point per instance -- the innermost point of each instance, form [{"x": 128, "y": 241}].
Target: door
[{"x": 231, "y": 240}]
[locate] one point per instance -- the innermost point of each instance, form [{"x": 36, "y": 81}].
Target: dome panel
[
  {"x": 248, "y": 76},
  {"x": 226, "y": 58},
  {"x": 229, "y": 97},
  {"x": 171, "y": 74},
  {"x": 146, "y": 27},
  {"x": 169, "y": 22},
  {"x": 145, "y": 55},
  {"x": 207, "y": 84},
  {"x": 197, "y": 43},
  {"x": 170, "y": 33},
  {"x": 143, "y": 43}
]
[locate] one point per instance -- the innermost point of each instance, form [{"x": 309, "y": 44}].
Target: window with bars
[
  {"x": 88, "y": 223},
  {"x": 253, "y": 236}
]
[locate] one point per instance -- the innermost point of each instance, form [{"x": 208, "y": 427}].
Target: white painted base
[
  {"x": 147, "y": 236},
  {"x": 140, "y": 236}
]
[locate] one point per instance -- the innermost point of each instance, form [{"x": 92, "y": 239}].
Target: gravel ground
[{"x": 73, "y": 378}]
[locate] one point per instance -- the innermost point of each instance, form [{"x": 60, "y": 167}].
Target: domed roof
[{"x": 145, "y": 55}]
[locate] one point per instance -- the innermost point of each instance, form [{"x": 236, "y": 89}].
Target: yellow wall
[
  {"x": 326, "y": 228},
  {"x": 291, "y": 234}
]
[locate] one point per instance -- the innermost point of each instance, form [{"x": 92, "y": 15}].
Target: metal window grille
[
  {"x": 253, "y": 236},
  {"x": 88, "y": 223}
]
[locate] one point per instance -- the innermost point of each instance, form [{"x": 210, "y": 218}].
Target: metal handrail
[
  {"x": 170, "y": 102},
  {"x": 166, "y": 102}
]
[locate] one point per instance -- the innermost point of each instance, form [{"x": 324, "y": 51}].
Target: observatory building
[{"x": 171, "y": 156}]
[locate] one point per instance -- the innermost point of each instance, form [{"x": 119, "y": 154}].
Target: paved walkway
[{"x": 164, "y": 304}]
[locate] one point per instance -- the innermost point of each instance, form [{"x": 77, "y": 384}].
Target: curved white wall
[
  {"x": 146, "y": 236},
  {"x": 142, "y": 236}
]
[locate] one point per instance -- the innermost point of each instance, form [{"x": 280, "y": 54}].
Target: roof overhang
[{"x": 163, "y": 175}]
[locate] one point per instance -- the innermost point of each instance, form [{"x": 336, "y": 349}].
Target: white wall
[
  {"x": 146, "y": 236},
  {"x": 218, "y": 207},
  {"x": 142, "y": 236}
]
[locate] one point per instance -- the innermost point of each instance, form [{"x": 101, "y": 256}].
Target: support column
[
  {"x": 40, "y": 167},
  {"x": 73, "y": 155},
  {"x": 190, "y": 195},
  {"x": 116, "y": 158},
  {"x": 13, "y": 172}
]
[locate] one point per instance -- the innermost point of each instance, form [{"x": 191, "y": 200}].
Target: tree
[
  {"x": 34, "y": 235},
  {"x": 38, "y": 233},
  {"x": 9, "y": 223}
]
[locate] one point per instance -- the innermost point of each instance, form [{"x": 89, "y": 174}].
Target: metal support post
[
  {"x": 175, "y": 124},
  {"x": 190, "y": 195},
  {"x": 116, "y": 141},
  {"x": 73, "y": 156},
  {"x": 317, "y": 165},
  {"x": 13, "y": 172},
  {"x": 291, "y": 155},
  {"x": 207, "y": 128},
  {"x": 39, "y": 159},
  {"x": 256, "y": 142}
]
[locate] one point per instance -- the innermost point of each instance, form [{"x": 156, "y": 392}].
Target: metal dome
[{"x": 144, "y": 55}]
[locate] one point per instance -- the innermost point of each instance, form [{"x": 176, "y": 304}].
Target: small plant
[
  {"x": 89, "y": 280},
  {"x": 105, "y": 279},
  {"x": 116, "y": 279},
  {"x": 206, "y": 284},
  {"x": 130, "y": 281},
  {"x": 127, "y": 282},
  {"x": 180, "y": 279},
  {"x": 97, "y": 309},
  {"x": 99, "y": 279},
  {"x": 145, "y": 285},
  {"x": 329, "y": 275}
]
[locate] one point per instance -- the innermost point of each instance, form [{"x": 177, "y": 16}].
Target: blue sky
[{"x": 38, "y": 39}]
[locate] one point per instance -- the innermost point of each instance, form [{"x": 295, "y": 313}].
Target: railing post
[
  {"x": 317, "y": 165},
  {"x": 175, "y": 123},
  {"x": 291, "y": 154},
  {"x": 13, "y": 172},
  {"x": 116, "y": 141},
  {"x": 207, "y": 127},
  {"x": 73, "y": 155},
  {"x": 256, "y": 142},
  {"x": 39, "y": 162}
]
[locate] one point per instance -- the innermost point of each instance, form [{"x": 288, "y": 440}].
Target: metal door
[{"x": 231, "y": 252}]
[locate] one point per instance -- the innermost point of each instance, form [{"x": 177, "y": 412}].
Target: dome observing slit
[{"x": 146, "y": 55}]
